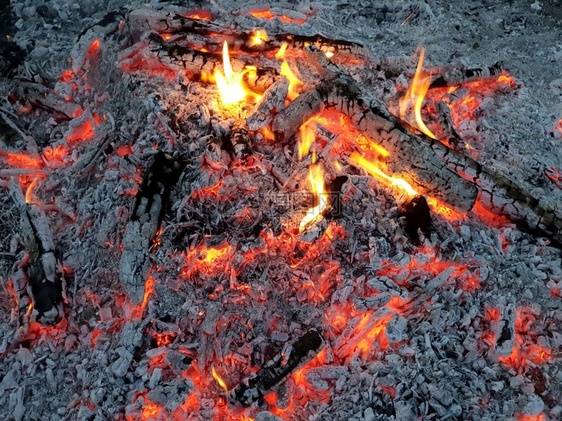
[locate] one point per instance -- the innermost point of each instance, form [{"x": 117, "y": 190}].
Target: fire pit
[{"x": 281, "y": 211}]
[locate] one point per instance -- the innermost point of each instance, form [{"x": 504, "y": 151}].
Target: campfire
[{"x": 233, "y": 215}]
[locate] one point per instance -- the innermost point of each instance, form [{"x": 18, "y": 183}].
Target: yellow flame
[
  {"x": 220, "y": 381},
  {"x": 230, "y": 83},
  {"x": 387, "y": 180},
  {"x": 259, "y": 36},
  {"x": 281, "y": 53},
  {"x": 316, "y": 178},
  {"x": 294, "y": 81},
  {"x": 308, "y": 135},
  {"x": 329, "y": 54},
  {"x": 415, "y": 96}
]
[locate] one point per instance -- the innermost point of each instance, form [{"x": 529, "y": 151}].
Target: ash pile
[{"x": 265, "y": 212}]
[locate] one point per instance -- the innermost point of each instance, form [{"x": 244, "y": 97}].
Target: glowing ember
[
  {"x": 316, "y": 178},
  {"x": 199, "y": 15},
  {"x": 207, "y": 260},
  {"x": 415, "y": 96},
  {"x": 230, "y": 83},
  {"x": 21, "y": 160},
  {"x": 523, "y": 417},
  {"x": 93, "y": 48},
  {"x": 267, "y": 14},
  {"x": 82, "y": 132},
  {"x": 374, "y": 170},
  {"x": 259, "y": 36},
  {"x": 308, "y": 135},
  {"x": 219, "y": 380}
]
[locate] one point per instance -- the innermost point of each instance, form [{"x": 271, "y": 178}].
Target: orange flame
[
  {"x": 374, "y": 170},
  {"x": 259, "y": 36},
  {"x": 219, "y": 380},
  {"x": 316, "y": 178},
  {"x": 229, "y": 83},
  {"x": 415, "y": 95},
  {"x": 29, "y": 195},
  {"x": 308, "y": 135},
  {"x": 294, "y": 82}
]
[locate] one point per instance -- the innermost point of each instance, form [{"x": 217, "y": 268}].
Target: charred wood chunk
[
  {"x": 44, "y": 279},
  {"x": 462, "y": 75},
  {"x": 505, "y": 332},
  {"x": 271, "y": 103},
  {"x": 445, "y": 120},
  {"x": 148, "y": 211},
  {"x": 333, "y": 188},
  {"x": 240, "y": 140},
  {"x": 416, "y": 216},
  {"x": 253, "y": 388}
]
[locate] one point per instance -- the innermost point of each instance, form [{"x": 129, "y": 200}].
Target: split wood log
[
  {"x": 271, "y": 103},
  {"x": 409, "y": 156},
  {"x": 150, "y": 202},
  {"x": 41, "y": 267},
  {"x": 254, "y": 388}
]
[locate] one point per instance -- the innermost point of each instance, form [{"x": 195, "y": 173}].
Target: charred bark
[{"x": 253, "y": 388}]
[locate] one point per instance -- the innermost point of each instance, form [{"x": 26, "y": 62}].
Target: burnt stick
[{"x": 252, "y": 389}]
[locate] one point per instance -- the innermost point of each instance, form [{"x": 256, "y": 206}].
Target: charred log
[
  {"x": 253, "y": 388},
  {"x": 148, "y": 211}
]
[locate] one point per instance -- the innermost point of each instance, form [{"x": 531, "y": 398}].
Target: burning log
[
  {"x": 39, "y": 266},
  {"x": 189, "y": 60},
  {"x": 148, "y": 210},
  {"x": 502, "y": 195},
  {"x": 369, "y": 116},
  {"x": 253, "y": 388}
]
